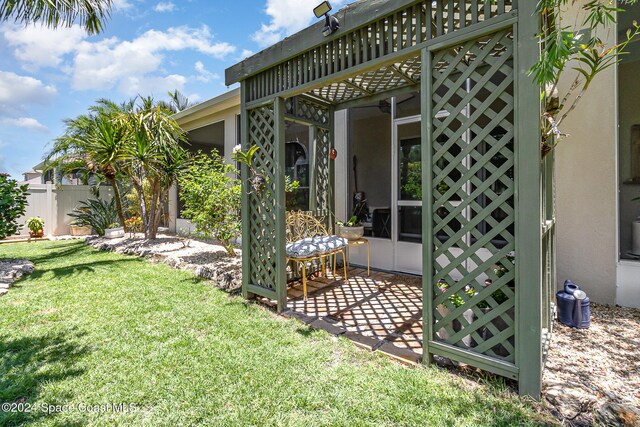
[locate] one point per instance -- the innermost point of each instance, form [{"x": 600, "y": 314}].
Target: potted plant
[
  {"x": 77, "y": 229},
  {"x": 352, "y": 229},
  {"x": 457, "y": 301},
  {"x": 114, "y": 231},
  {"x": 36, "y": 226}
]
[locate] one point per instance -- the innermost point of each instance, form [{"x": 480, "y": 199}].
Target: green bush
[
  {"x": 13, "y": 203},
  {"x": 211, "y": 196},
  {"x": 96, "y": 213}
]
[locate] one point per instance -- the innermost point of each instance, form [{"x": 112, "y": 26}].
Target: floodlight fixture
[{"x": 331, "y": 22}]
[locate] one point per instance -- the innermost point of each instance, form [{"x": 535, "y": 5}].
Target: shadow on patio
[{"x": 381, "y": 312}]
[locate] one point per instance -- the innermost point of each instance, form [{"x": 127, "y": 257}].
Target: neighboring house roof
[
  {"x": 38, "y": 168},
  {"x": 194, "y": 116}
]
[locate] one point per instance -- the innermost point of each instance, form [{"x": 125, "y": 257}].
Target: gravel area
[
  {"x": 206, "y": 259},
  {"x": 592, "y": 376}
]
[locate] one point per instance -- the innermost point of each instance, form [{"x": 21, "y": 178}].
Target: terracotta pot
[{"x": 37, "y": 234}]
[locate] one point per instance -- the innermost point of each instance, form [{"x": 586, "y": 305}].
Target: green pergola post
[
  {"x": 528, "y": 206},
  {"x": 263, "y": 210},
  {"x": 427, "y": 211},
  {"x": 244, "y": 175},
  {"x": 281, "y": 241}
]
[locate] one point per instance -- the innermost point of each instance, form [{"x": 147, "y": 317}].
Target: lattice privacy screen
[
  {"x": 263, "y": 210},
  {"x": 473, "y": 202},
  {"x": 322, "y": 171}
]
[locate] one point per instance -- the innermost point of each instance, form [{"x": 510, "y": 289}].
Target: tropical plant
[
  {"x": 153, "y": 154},
  {"x": 133, "y": 225},
  {"x": 13, "y": 203},
  {"x": 96, "y": 213},
  {"x": 177, "y": 102},
  {"x": 455, "y": 299},
  {"x": 94, "y": 142},
  {"x": 257, "y": 179},
  {"x": 91, "y": 15},
  {"x": 211, "y": 197},
  {"x": 354, "y": 221},
  {"x": 570, "y": 47},
  {"x": 35, "y": 225}
]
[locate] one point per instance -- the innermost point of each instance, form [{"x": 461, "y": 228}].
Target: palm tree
[
  {"x": 154, "y": 156},
  {"x": 91, "y": 14},
  {"x": 94, "y": 142},
  {"x": 178, "y": 101}
]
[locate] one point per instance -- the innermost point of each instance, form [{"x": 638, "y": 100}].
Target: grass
[{"x": 95, "y": 328}]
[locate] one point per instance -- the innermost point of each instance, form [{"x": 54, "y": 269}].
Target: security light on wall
[{"x": 331, "y": 22}]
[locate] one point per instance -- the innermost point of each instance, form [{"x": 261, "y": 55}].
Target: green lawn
[{"x": 94, "y": 328}]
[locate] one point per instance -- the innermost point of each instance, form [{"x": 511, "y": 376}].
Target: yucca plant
[{"x": 95, "y": 213}]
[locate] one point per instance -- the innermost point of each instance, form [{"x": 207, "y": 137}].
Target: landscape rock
[
  {"x": 614, "y": 414},
  {"x": 206, "y": 260},
  {"x": 12, "y": 270}
]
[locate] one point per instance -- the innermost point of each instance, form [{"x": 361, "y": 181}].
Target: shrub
[
  {"x": 13, "y": 203},
  {"x": 133, "y": 225},
  {"x": 211, "y": 196},
  {"x": 96, "y": 213}
]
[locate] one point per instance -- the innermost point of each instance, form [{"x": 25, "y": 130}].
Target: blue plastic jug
[{"x": 571, "y": 310}]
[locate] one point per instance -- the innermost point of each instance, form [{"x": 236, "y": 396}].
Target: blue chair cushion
[{"x": 315, "y": 246}]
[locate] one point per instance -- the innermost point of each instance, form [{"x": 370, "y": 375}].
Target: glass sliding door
[{"x": 407, "y": 159}]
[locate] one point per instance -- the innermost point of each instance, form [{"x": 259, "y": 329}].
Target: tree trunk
[
  {"x": 116, "y": 195},
  {"x": 139, "y": 186},
  {"x": 161, "y": 201},
  {"x": 153, "y": 209}
]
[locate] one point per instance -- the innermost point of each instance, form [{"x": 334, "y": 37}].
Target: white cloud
[
  {"x": 38, "y": 46},
  {"x": 17, "y": 91},
  {"x": 245, "y": 54},
  {"x": 287, "y": 17},
  {"x": 27, "y": 123},
  {"x": 164, "y": 6},
  {"x": 110, "y": 62},
  {"x": 119, "y": 5},
  {"x": 156, "y": 86},
  {"x": 102, "y": 65},
  {"x": 204, "y": 75}
]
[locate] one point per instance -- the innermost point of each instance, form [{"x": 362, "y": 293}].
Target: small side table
[{"x": 360, "y": 242}]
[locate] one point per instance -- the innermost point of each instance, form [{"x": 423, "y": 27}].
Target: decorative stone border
[
  {"x": 11, "y": 270},
  {"x": 205, "y": 260}
]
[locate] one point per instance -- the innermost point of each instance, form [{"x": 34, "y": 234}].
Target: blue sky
[{"x": 147, "y": 48}]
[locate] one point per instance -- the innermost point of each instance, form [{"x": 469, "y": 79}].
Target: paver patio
[{"x": 381, "y": 312}]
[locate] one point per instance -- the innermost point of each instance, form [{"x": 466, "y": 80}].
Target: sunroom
[{"x": 420, "y": 117}]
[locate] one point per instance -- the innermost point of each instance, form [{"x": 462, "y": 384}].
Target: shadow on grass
[
  {"x": 59, "y": 250},
  {"x": 76, "y": 269},
  {"x": 27, "y": 364}
]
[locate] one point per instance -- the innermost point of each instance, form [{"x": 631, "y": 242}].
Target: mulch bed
[{"x": 592, "y": 376}]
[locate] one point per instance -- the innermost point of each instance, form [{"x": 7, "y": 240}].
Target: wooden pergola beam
[{"x": 351, "y": 17}]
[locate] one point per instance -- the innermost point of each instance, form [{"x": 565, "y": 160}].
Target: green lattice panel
[
  {"x": 307, "y": 110},
  {"x": 322, "y": 170},
  {"x": 262, "y": 209},
  {"x": 473, "y": 203}
]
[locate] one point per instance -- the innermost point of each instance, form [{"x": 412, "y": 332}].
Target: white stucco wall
[{"x": 587, "y": 189}]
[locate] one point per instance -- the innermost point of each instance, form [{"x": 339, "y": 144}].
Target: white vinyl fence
[{"x": 53, "y": 204}]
